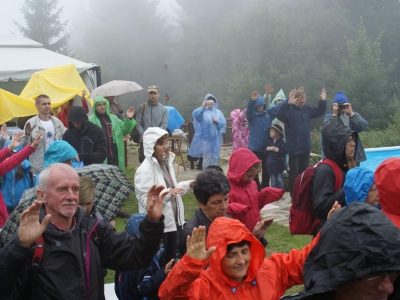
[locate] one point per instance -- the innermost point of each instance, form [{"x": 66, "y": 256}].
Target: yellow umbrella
[
  {"x": 61, "y": 84},
  {"x": 15, "y": 106}
]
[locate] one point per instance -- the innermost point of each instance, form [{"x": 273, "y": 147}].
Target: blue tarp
[{"x": 175, "y": 119}]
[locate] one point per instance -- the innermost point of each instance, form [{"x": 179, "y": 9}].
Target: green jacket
[{"x": 119, "y": 129}]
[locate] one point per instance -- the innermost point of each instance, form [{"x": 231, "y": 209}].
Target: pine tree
[{"x": 44, "y": 26}]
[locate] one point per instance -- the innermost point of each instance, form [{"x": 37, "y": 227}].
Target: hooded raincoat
[
  {"x": 7, "y": 165},
  {"x": 388, "y": 184},
  {"x": 356, "y": 123},
  {"x": 150, "y": 173},
  {"x": 259, "y": 121},
  {"x": 334, "y": 137},
  {"x": 59, "y": 152},
  {"x": 280, "y": 96},
  {"x": 245, "y": 195},
  {"x": 90, "y": 142},
  {"x": 267, "y": 278},
  {"x": 240, "y": 130},
  {"x": 358, "y": 240},
  {"x": 357, "y": 185},
  {"x": 119, "y": 130},
  {"x": 208, "y": 134},
  {"x": 11, "y": 188}
]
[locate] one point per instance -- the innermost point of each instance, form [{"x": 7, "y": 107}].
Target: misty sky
[{"x": 11, "y": 11}]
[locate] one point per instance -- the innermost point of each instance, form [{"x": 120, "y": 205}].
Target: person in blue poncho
[
  {"x": 360, "y": 187},
  {"x": 209, "y": 124},
  {"x": 15, "y": 182},
  {"x": 60, "y": 152}
]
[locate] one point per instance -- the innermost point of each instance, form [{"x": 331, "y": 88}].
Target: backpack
[
  {"x": 135, "y": 136},
  {"x": 301, "y": 217}
]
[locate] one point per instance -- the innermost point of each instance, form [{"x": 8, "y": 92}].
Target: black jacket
[
  {"x": 62, "y": 272},
  {"x": 356, "y": 241},
  {"x": 90, "y": 143},
  {"x": 334, "y": 136},
  {"x": 275, "y": 161}
]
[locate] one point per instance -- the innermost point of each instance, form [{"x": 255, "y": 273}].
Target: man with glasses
[
  {"x": 357, "y": 257},
  {"x": 150, "y": 114}
]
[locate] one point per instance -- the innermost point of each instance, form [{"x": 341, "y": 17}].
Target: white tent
[{"x": 20, "y": 57}]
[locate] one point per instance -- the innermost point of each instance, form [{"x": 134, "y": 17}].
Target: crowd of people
[{"x": 63, "y": 245}]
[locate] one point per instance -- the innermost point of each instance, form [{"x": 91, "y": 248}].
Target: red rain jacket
[
  {"x": 8, "y": 163},
  {"x": 245, "y": 201},
  {"x": 267, "y": 278},
  {"x": 388, "y": 184}
]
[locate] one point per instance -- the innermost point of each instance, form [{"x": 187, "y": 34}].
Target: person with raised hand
[
  {"x": 260, "y": 119},
  {"x": 237, "y": 267},
  {"x": 74, "y": 247},
  {"x": 296, "y": 115},
  {"x": 9, "y": 161}
]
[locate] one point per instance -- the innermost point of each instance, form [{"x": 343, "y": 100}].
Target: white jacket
[{"x": 150, "y": 173}]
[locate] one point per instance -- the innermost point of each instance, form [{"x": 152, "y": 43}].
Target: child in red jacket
[{"x": 245, "y": 201}]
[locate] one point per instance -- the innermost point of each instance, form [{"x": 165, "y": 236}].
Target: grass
[{"x": 278, "y": 236}]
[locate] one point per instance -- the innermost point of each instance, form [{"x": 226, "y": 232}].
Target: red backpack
[{"x": 301, "y": 217}]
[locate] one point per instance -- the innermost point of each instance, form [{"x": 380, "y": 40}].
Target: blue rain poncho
[
  {"x": 59, "y": 152},
  {"x": 208, "y": 135},
  {"x": 175, "y": 120}
]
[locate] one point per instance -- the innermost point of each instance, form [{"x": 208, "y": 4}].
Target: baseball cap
[{"x": 153, "y": 88}]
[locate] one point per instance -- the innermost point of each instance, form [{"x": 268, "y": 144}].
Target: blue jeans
[{"x": 277, "y": 180}]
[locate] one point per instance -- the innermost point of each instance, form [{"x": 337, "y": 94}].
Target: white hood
[{"x": 150, "y": 138}]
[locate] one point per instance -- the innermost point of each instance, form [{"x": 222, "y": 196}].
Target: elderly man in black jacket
[
  {"x": 75, "y": 247},
  {"x": 88, "y": 139}
]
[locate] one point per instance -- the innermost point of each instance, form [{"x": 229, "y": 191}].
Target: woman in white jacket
[{"x": 157, "y": 169}]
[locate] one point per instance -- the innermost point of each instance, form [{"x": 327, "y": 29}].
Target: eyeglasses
[
  {"x": 350, "y": 141},
  {"x": 374, "y": 281}
]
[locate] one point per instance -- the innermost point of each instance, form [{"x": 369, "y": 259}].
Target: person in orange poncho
[
  {"x": 245, "y": 201},
  {"x": 238, "y": 268}
]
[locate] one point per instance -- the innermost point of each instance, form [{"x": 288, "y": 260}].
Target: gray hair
[{"x": 45, "y": 174}]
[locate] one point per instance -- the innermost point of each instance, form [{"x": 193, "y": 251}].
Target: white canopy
[{"x": 20, "y": 57}]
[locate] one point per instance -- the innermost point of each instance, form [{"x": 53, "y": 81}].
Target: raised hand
[
  {"x": 168, "y": 266},
  {"x": 323, "y": 94},
  {"x": 16, "y": 140},
  {"x": 28, "y": 129},
  {"x": 268, "y": 89},
  {"x": 254, "y": 96},
  {"x": 83, "y": 93},
  {"x": 3, "y": 130},
  {"x": 261, "y": 227},
  {"x": 196, "y": 244},
  {"x": 154, "y": 203},
  {"x": 37, "y": 140},
  {"x": 29, "y": 227},
  {"x": 292, "y": 95},
  {"x": 336, "y": 206},
  {"x": 129, "y": 112}
]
